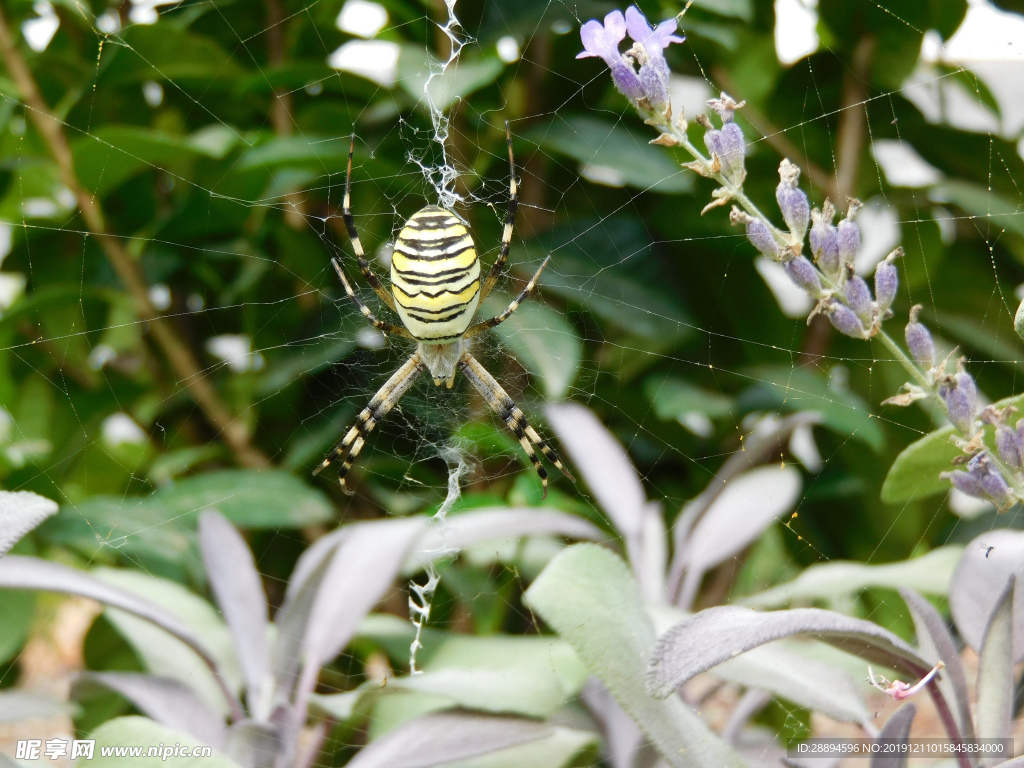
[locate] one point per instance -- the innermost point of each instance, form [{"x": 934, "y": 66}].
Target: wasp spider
[{"x": 436, "y": 289}]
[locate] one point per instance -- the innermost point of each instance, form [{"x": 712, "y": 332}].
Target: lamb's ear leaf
[
  {"x": 239, "y": 593},
  {"x": 896, "y": 728},
  {"x": 995, "y": 669},
  {"x": 145, "y": 733},
  {"x": 18, "y": 572},
  {"x": 588, "y": 595},
  {"x": 164, "y": 699},
  {"x": 978, "y": 581},
  {"x": 706, "y": 639},
  {"x": 934, "y": 639},
  {"x": 20, "y": 512},
  {"x": 444, "y": 737}
]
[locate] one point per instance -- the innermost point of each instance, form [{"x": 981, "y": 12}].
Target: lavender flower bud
[
  {"x": 965, "y": 482},
  {"x": 825, "y": 241},
  {"x": 761, "y": 236},
  {"x": 654, "y": 86},
  {"x": 858, "y": 297},
  {"x": 734, "y": 147},
  {"x": 849, "y": 235},
  {"x": 626, "y": 80},
  {"x": 713, "y": 140},
  {"x": 1011, "y": 448},
  {"x": 994, "y": 485},
  {"x": 796, "y": 210},
  {"x": 803, "y": 274},
  {"x": 726, "y": 107},
  {"x": 845, "y": 320},
  {"x": 887, "y": 280},
  {"x": 961, "y": 398},
  {"x": 919, "y": 341},
  {"x": 1020, "y": 434}
]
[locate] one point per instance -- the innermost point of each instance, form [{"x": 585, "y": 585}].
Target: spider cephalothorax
[{"x": 436, "y": 290}]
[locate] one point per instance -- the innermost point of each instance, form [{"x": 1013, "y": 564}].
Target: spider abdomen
[{"x": 435, "y": 275}]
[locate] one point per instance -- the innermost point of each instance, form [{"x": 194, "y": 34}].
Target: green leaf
[
  {"x": 738, "y": 9},
  {"x": 546, "y": 344},
  {"x": 248, "y": 498},
  {"x": 588, "y": 595},
  {"x": 929, "y": 573},
  {"x": 530, "y": 676},
  {"x": 160, "y": 529},
  {"x": 110, "y": 155},
  {"x": 616, "y": 152},
  {"x": 144, "y": 733},
  {"x": 163, "y": 52},
  {"x": 981, "y": 203},
  {"x": 18, "y": 610},
  {"x": 794, "y": 389},
  {"x": 613, "y": 295},
  {"x": 915, "y": 473},
  {"x": 328, "y": 154},
  {"x": 167, "y": 656},
  {"x": 678, "y": 400},
  {"x": 457, "y": 82},
  {"x": 996, "y": 343}
]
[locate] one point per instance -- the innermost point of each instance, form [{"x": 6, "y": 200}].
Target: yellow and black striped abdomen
[{"x": 435, "y": 275}]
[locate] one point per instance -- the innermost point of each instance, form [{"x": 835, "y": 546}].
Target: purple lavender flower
[
  {"x": 803, "y": 274},
  {"x": 996, "y": 488},
  {"x": 965, "y": 482},
  {"x": 849, "y": 235},
  {"x": 960, "y": 394},
  {"x": 825, "y": 241},
  {"x": 1011, "y": 448},
  {"x": 602, "y": 41},
  {"x": 845, "y": 320},
  {"x": 919, "y": 340},
  {"x": 650, "y": 43},
  {"x": 887, "y": 281},
  {"x": 982, "y": 481},
  {"x": 759, "y": 234},
  {"x": 734, "y": 147},
  {"x": 654, "y": 39},
  {"x": 858, "y": 297},
  {"x": 796, "y": 210}
]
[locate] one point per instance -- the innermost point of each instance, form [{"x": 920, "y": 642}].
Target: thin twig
[{"x": 180, "y": 357}]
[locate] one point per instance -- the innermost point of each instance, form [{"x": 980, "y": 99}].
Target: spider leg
[
  {"x": 510, "y": 218},
  {"x": 348, "y": 448},
  {"x": 357, "y": 246},
  {"x": 386, "y": 328},
  {"x": 485, "y": 325},
  {"x": 499, "y": 401}
]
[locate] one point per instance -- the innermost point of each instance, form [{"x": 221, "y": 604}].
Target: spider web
[{"x": 611, "y": 327}]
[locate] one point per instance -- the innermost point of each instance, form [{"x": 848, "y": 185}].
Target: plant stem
[
  {"x": 178, "y": 354},
  {"x": 948, "y": 721}
]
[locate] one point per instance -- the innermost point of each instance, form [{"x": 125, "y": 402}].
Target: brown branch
[
  {"x": 182, "y": 361},
  {"x": 281, "y": 108},
  {"x": 853, "y": 122}
]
